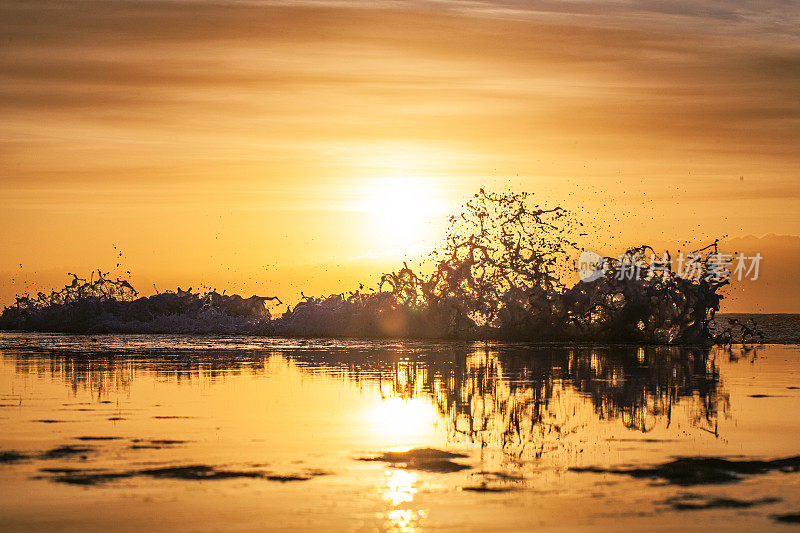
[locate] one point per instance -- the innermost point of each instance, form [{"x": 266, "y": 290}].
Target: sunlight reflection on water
[
  {"x": 401, "y": 421},
  {"x": 265, "y": 433}
]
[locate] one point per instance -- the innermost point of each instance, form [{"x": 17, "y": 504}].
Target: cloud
[{"x": 185, "y": 90}]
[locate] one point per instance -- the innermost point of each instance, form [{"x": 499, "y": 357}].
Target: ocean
[{"x": 207, "y": 432}]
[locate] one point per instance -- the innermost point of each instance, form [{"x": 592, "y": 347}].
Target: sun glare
[
  {"x": 401, "y": 422},
  {"x": 404, "y": 211}
]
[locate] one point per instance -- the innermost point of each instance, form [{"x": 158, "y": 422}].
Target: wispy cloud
[{"x": 301, "y": 96}]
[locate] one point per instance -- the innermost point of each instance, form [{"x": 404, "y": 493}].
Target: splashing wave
[{"x": 499, "y": 276}]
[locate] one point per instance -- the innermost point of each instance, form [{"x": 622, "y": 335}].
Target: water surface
[{"x": 205, "y": 433}]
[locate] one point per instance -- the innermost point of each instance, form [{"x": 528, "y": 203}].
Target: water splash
[
  {"x": 500, "y": 275},
  {"x": 104, "y": 305}
]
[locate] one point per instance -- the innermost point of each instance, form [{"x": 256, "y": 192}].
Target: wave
[{"x": 499, "y": 276}]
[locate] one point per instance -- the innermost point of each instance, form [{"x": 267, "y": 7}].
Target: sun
[{"x": 404, "y": 211}]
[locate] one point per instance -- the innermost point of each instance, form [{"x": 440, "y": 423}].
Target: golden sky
[{"x": 269, "y": 147}]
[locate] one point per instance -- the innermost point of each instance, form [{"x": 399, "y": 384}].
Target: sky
[{"x": 273, "y": 147}]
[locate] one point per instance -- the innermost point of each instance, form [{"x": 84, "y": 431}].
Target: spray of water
[{"x": 500, "y": 275}]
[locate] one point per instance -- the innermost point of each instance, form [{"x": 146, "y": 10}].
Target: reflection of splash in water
[
  {"x": 499, "y": 276},
  {"x": 531, "y": 401},
  {"x": 523, "y": 401}
]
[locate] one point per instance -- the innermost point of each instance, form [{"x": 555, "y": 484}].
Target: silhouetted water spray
[{"x": 500, "y": 275}]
